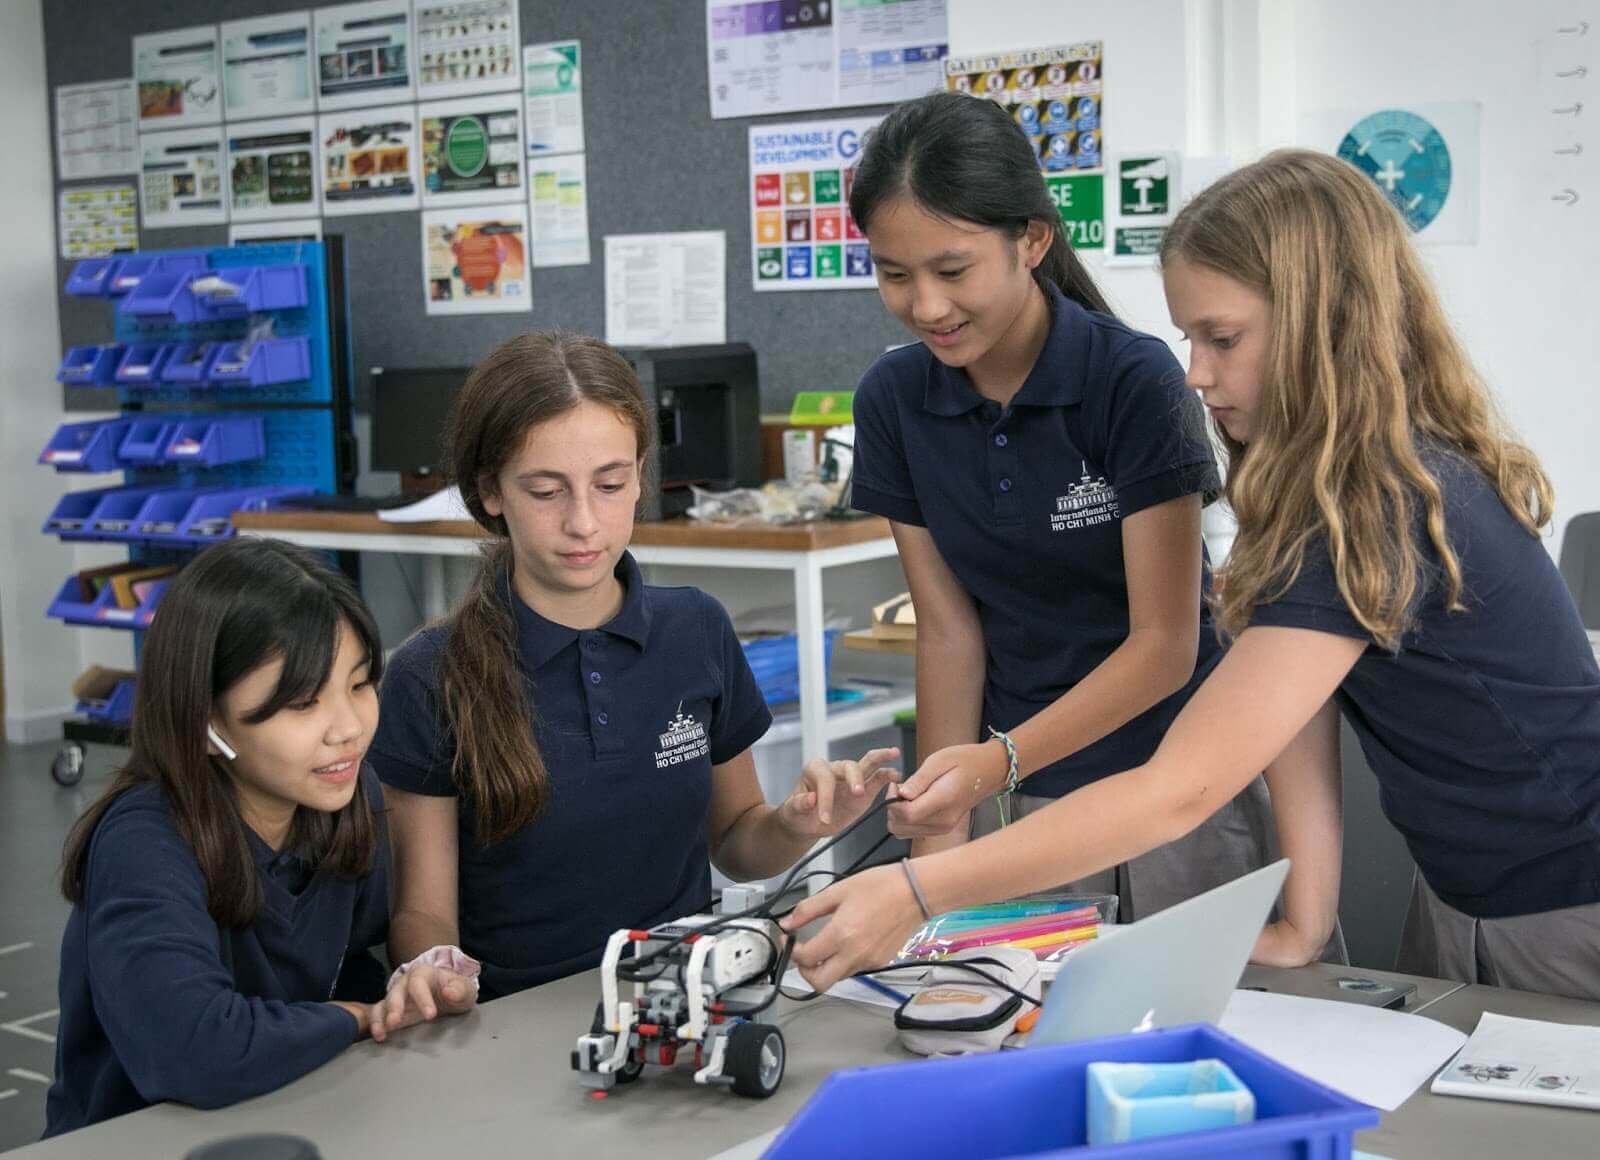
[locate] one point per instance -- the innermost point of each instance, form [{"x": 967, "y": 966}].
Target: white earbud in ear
[{"x": 222, "y": 746}]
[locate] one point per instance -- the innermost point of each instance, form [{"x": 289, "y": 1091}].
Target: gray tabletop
[
  {"x": 1427, "y": 1125},
  {"x": 498, "y": 1082}
]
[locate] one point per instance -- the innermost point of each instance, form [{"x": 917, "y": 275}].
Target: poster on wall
[
  {"x": 97, "y": 130},
  {"x": 266, "y": 66},
  {"x": 552, "y": 96},
  {"x": 558, "y": 210},
  {"x": 1148, "y": 193},
  {"x": 364, "y": 54},
  {"x": 1055, "y": 95},
  {"x": 178, "y": 77},
  {"x": 95, "y": 220},
  {"x": 1423, "y": 157},
  {"x": 667, "y": 289},
  {"x": 471, "y": 46},
  {"x": 272, "y": 169},
  {"x": 802, "y": 234},
  {"x": 180, "y": 178},
  {"x": 764, "y": 57},
  {"x": 471, "y": 150},
  {"x": 369, "y": 160},
  {"x": 297, "y": 230},
  {"x": 475, "y": 261}
]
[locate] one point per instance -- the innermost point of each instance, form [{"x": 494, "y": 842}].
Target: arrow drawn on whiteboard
[
  {"x": 1582, "y": 29},
  {"x": 1567, "y": 196},
  {"x": 1576, "y": 150},
  {"x": 1580, "y": 72},
  {"x": 1573, "y": 109}
]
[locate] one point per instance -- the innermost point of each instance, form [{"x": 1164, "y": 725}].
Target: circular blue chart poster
[{"x": 1408, "y": 159}]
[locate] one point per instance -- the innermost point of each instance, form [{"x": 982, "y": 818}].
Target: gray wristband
[{"x": 916, "y": 889}]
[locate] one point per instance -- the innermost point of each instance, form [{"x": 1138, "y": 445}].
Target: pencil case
[{"x": 956, "y": 1011}]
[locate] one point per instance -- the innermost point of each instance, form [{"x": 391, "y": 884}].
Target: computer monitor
[{"x": 409, "y": 409}]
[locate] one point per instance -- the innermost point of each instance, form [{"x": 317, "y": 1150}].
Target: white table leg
[
  {"x": 434, "y": 604},
  {"x": 809, "y": 617}
]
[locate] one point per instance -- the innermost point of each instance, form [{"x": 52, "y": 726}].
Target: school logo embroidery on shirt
[
  {"x": 684, "y": 740},
  {"x": 1088, "y": 502}
]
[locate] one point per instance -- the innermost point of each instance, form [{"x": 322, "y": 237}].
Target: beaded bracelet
[{"x": 1002, "y": 796}]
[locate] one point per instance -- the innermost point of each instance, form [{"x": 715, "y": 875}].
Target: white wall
[{"x": 41, "y": 657}]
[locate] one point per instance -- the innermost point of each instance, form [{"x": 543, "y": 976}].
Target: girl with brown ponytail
[{"x": 571, "y": 749}]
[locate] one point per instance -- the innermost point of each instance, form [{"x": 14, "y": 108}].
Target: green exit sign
[{"x": 1080, "y": 199}]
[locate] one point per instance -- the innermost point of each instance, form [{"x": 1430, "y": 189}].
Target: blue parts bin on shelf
[
  {"x": 185, "y": 291},
  {"x": 775, "y": 661},
  {"x": 259, "y": 364},
  {"x": 1145, "y": 1101},
  {"x": 86, "y": 447},
  {"x": 77, "y": 512},
  {"x": 146, "y": 441},
  {"x": 116, "y": 708},
  {"x": 1033, "y": 1103},
  {"x": 130, "y": 271},
  {"x": 213, "y": 441},
  {"x": 103, "y": 611},
  {"x": 189, "y": 364},
  {"x": 209, "y": 519},
  {"x": 142, "y": 363},
  {"x": 93, "y": 278},
  {"x": 90, "y": 366}
]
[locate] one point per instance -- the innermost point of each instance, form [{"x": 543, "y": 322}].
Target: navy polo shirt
[
  {"x": 1026, "y": 504},
  {"x": 158, "y": 1003},
  {"x": 1484, "y": 729},
  {"x": 629, "y": 719}
]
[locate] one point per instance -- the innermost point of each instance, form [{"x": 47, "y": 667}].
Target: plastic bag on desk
[
  {"x": 1050, "y": 925},
  {"x": 779, "y": 502}
]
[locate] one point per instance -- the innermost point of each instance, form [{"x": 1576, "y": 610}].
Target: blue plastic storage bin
[
  {"x": 210, "y": 518},
  {"x": 142, "y": 363},
  {"x": 106, "y": 614},
  {"x": 267, "y": 361},
  {"x": 130, "y": 272},
  {"x": 113, "y": 516},
  {"x": 775, "y": 661},
  {"x": 213, "y": 442},
  {"x": 93, "y": 277},
  {"x": 74, "y": 512},
  {"x": 1033, "y": 1103},
  {"x": 162, "y": 293},
  {"x": 146, "y": 440},
  {"x": 70, "y": 606},
  {"x": 90, "y": 366},
  {"x": 116, "y": 709},
  {"x": 253, "y": 289},
  {"x": 85, "y": 447},
  {"x": 189, "y": 363}
]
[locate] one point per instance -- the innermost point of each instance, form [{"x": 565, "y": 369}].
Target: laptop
[{"x": 1178, "y": 966}]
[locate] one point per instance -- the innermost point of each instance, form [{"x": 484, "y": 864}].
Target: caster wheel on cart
[
  {"x": 67, "y": 768},
  {"x": 756, "y": 1057}
]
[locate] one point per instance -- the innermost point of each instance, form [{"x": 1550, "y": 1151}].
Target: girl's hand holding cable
[
  {"x": 870, "y": 917},
  {"x": 833, "y": 794},
  {"x": 939, "y": 796}
]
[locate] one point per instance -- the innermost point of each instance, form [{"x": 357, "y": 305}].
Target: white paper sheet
[
  {"x": 272, "y": 169},
  {"x": 667, "y": 289},
  {"x": 472, "y": 150},
  {"x": 97, "y": 130},
  {"x": 466, "y": 46},
  {"x": 441, "y": 505},
  {"x": 851, "y": 990},
  {"x": 1375, "y": 1056},
  {"x": 552, "y": 92},
  {"x": 475, "y": 260},
  {"x": 180, "y": 180},
  {"x": 179, "y": 78},
  {"x": 558, "y": 205},
  {"x": 369, "y": 160},
  {"x": 364, "y": 54},
  {"x": 1526, "y": 1061},
  {"x": 266, "y": 66},
  {"x": 750, "y": 1149},
  {"x": 96, "y": 220}
]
